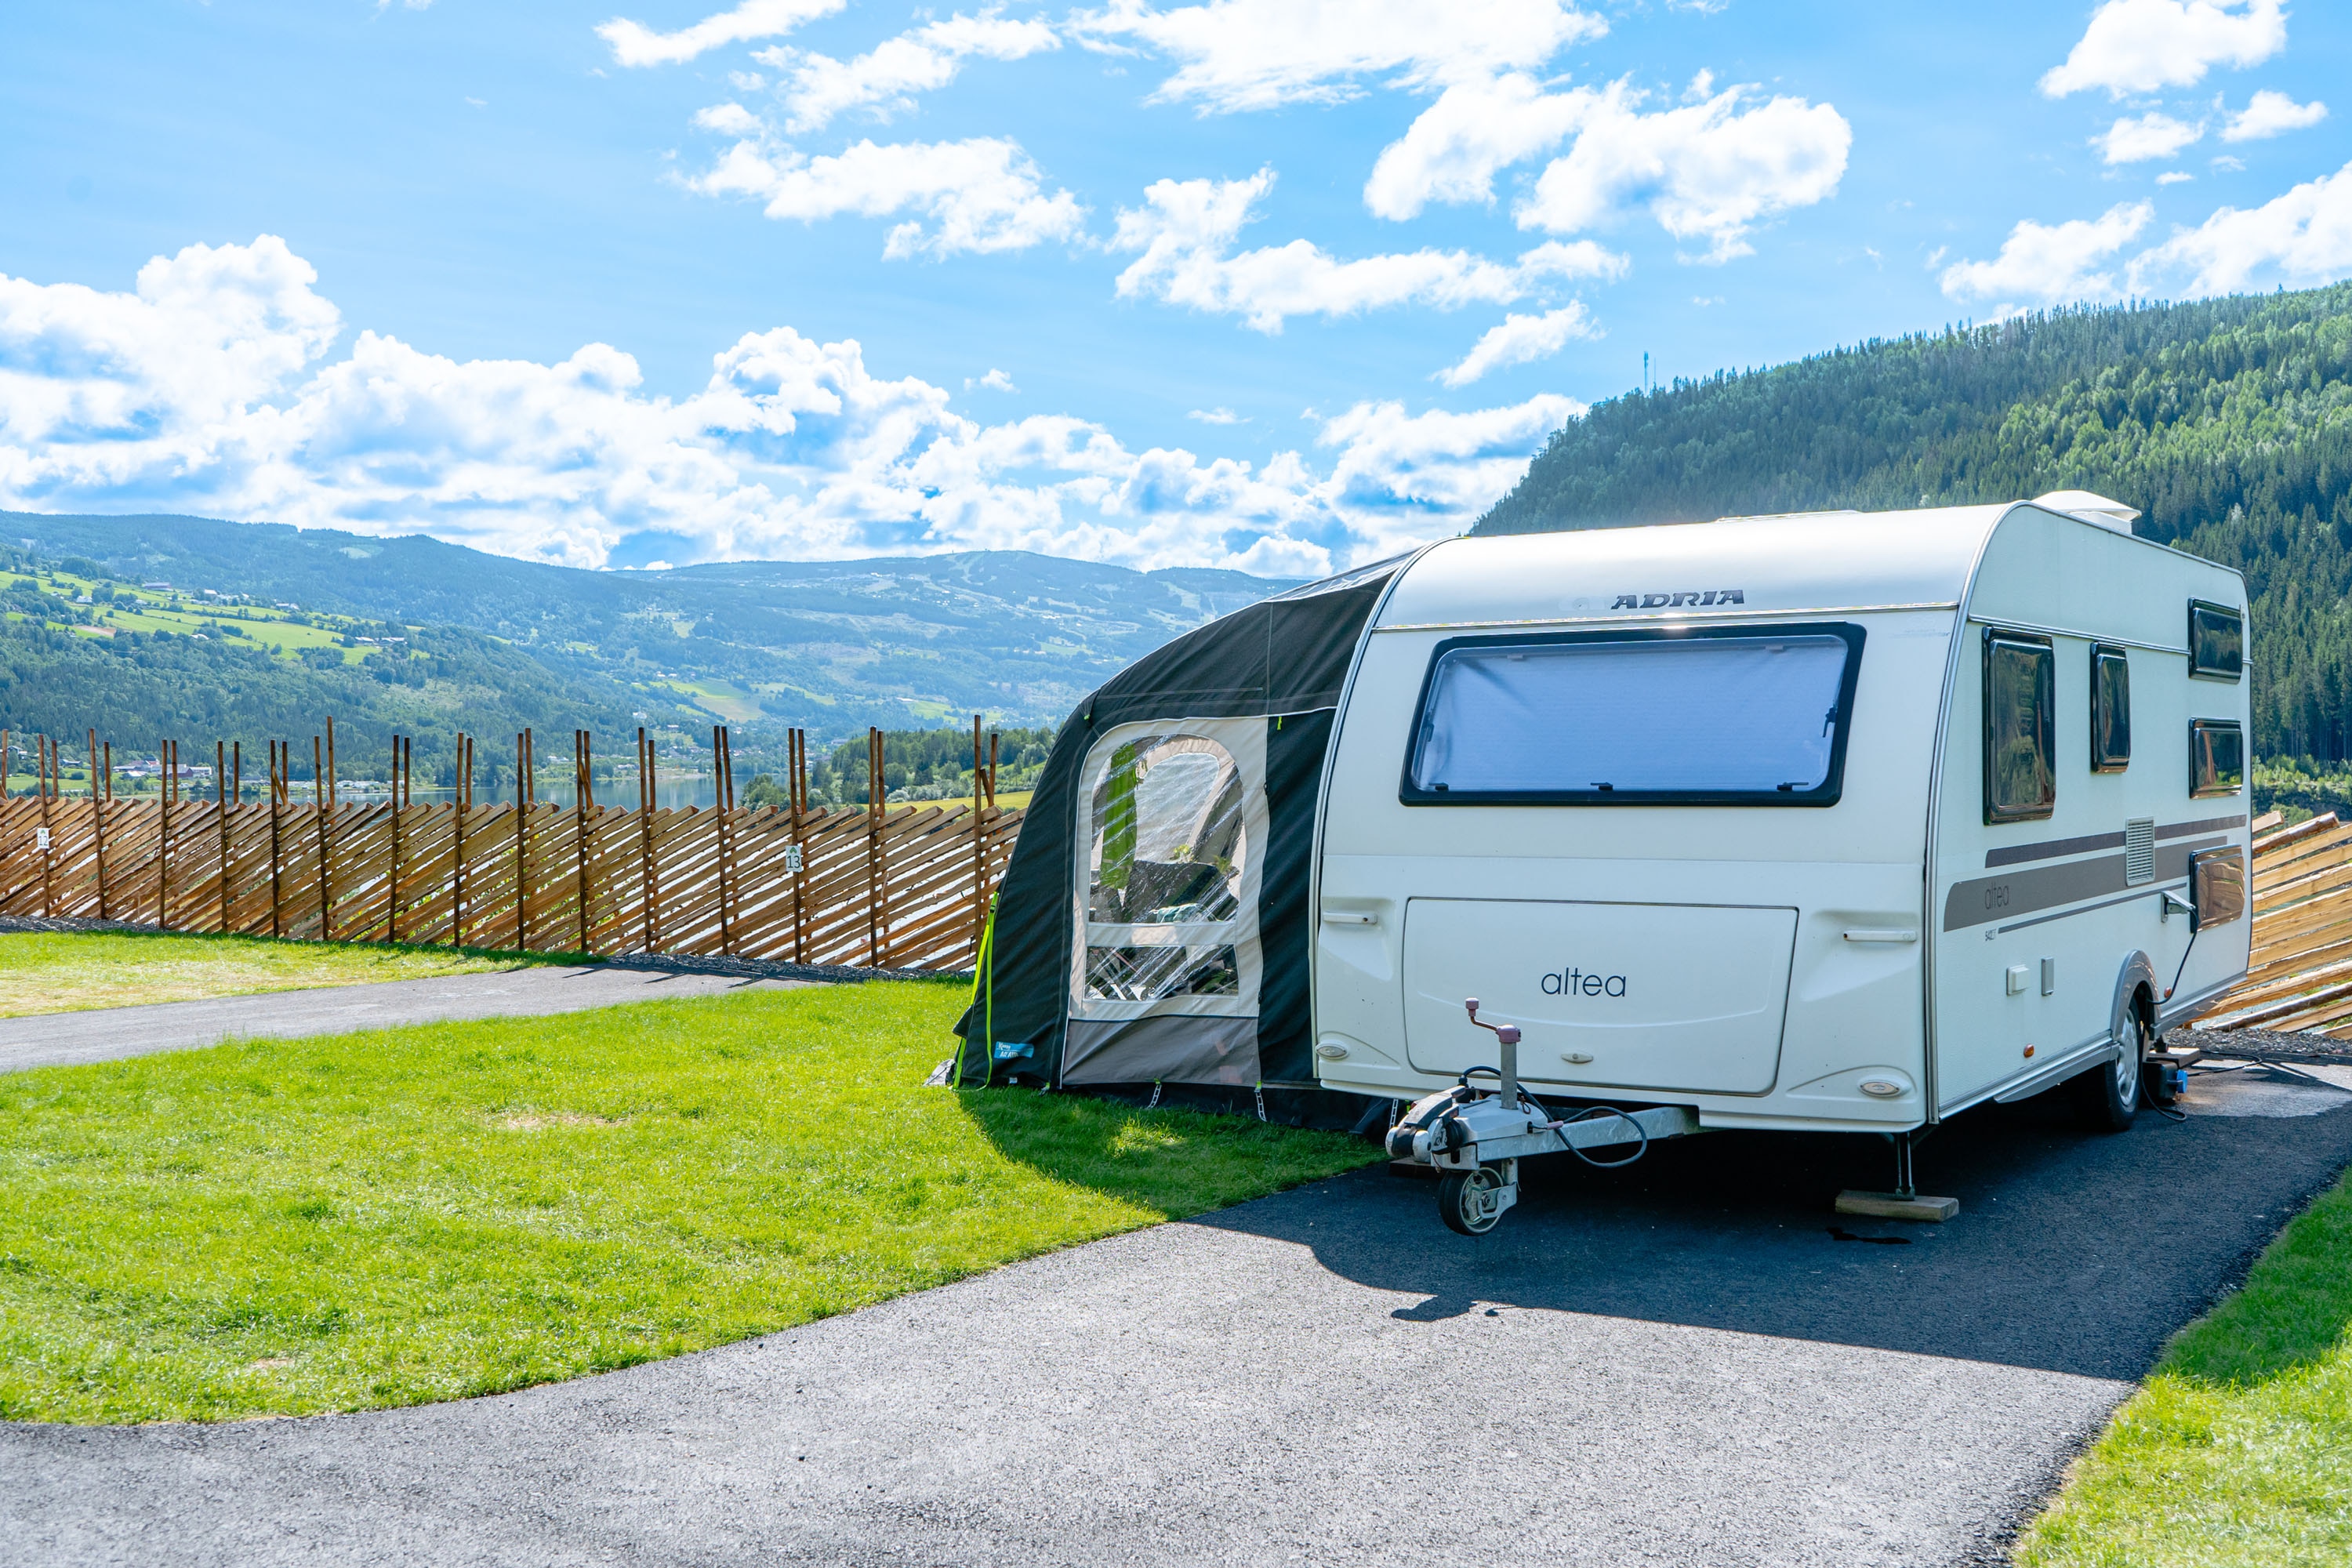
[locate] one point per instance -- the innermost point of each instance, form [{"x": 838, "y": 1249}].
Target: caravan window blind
[{"x": 1749, "y": 715}]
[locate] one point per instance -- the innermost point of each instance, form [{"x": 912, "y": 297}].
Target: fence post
[
  {"x": 723, "y": 793},
  {"x": 48, "y": 838},
  {"x": 523, "y": 793},
  {"x": 171, "y": 761},
  {"x": 582, "y": 787},
  {"x": 648, "y": 883},
  {"x": 876, "y": 917},
  {"x": 978, "y": 848},
  {"x": 319, "y": 796},
  {"x": 98, "y": 826},
  {"x": 465, "y": 794},
  {"x": 796, "y": 763},
  {"x": 225, "y": 795},
  {"x": 278, "y": 768}
]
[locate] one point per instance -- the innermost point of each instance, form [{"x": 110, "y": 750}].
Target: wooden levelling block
[{"x": 1886, "y": 1206}]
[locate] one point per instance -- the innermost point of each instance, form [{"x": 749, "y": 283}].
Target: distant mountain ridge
[
  {"x": 2227, "y": 422},
  {"x": 830, "y": 646}
]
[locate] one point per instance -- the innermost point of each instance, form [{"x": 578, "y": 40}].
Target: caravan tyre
[
  {"x": 2107, "y": 1097},
  {"x": 1465, "y": 1200}
]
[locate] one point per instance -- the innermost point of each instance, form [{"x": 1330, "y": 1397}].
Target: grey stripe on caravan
[
  {"x": 2147, "y": 891},
  {"x": 2052, "y": 848},
  {"x": 1984, "y": 899}
]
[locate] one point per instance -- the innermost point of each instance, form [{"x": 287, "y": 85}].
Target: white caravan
[{"x": 1832, "y": 822}]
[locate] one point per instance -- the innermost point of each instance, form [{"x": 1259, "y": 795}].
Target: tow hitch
[{"x": 1475, "y": 1138}]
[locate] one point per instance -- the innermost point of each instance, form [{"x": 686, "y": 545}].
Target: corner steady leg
[{"x": 1904, "y": 1202}]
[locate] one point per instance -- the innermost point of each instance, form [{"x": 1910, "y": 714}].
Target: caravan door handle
[
  {"x": 1882, "y": 935},
  {"x": 1350, "y": 918}
]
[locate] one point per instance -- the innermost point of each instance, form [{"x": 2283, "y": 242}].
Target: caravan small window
[
  {"x": 2019, "y": 726},
  {"x": 2217, "y": 757},
  {"x": 2110, "y": 709},
  {"x": 2216, "y": 641},
  {"x": 1744, "y": 715}
]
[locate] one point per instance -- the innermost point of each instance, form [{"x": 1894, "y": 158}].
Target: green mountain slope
[
  {"x": 2227, "y": 422},
  {"x": 493, "y": 643}
]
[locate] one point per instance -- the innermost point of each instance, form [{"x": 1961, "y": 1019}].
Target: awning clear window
[{"x": 1170, "y": 843}]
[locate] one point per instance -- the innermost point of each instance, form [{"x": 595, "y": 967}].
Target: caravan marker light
[{"x": 1882, "y": 1088}]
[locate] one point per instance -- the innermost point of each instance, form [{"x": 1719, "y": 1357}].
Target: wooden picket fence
[
  {"x": 2299, "y": 978},
  {"x": 905, "y": 887},
  {"x": 871, "y": 886}
]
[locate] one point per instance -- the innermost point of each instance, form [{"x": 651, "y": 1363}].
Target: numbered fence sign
[
  {"x": 41, "y": 839},
  {"x": 793, "y": 860}
]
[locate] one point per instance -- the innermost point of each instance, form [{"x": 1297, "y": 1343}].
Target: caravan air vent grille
[{"x": 2140, "y": 851}]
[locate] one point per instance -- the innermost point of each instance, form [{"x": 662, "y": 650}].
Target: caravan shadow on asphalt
[{"x": 2072, "y": 1252}]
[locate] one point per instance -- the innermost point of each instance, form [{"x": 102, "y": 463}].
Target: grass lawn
[
  {"x": 2239, "y": 1449},
  {"x": 66, "y": 973},
  {"x": 408, "y": 1215}
]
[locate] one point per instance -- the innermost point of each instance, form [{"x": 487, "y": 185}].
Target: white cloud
[
  {"x": 2152, "y": 135},
  {"x": 1451, "y": 152},
  {"x": 2299, "y": 240},
  {"x": 2048, "y": 264},
  {"x": 983, "y": 195},
  {"x": 1519, "y": 340},
  {"x": 1708, "y": 171},
  {"x": 2139, "y": 46},
  {"x": 635, "y": 44},
  {"x": 994, "y": 381},
  {"x": 211, "y": 388},
  {"x": 2173, "y": 177},
  {"x": 1186, "y": 230},
  {"x": 1215, "y": 416},
  {"x": 816, "y": 87},
  {"x": 2272, "y": 114},
  {"x": 1257, "y": 54},
  {"x": 1400, "y": 478}
]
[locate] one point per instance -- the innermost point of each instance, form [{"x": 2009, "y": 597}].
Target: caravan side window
[
  {"x": 2021, "y": 723},
  {"x": 2216, "y": 641},
  {"x": 2110, "y": 709},
  {"x": 2217, "y": 757}
]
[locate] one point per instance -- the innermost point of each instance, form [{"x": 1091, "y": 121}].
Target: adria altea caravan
[{"x": 1832, "y": 822}]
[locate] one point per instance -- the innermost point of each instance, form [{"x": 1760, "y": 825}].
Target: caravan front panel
[{"x": 1638, "y": 996}]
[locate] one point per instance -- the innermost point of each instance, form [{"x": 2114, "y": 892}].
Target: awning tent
[{"x": 1150, "y": 934}]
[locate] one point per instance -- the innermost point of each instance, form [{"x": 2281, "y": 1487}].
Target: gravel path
[
  {"x": 1689, "y": 1362},
  {"x": 65, "y": 1039}
]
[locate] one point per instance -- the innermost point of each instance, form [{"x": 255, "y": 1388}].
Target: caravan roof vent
[{"x": 2090, "y": 509}]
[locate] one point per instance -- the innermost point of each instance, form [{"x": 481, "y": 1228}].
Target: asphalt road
[
  {"x": 68, "y": 1039},
  {"x": 1684, "y": 1363}
]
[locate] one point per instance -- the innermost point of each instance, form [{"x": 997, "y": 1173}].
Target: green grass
[
  {"x": 41, "y": 972},
  {"x": 2238, "y": 1451},
  {"x": 397, "y": 1217}
]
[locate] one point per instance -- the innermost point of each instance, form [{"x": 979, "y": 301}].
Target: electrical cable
[{"x": 1587, "y": 1114}]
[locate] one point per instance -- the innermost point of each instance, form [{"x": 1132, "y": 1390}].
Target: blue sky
[{"x": 1280, "y": 286}]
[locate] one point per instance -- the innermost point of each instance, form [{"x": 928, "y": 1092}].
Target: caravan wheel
[
  {"x": 1470, "y": 1202},
  {"x": 2107, "y": 1098}
]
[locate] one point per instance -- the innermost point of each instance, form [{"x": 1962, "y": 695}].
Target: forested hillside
[{"x": 2227, "y": 422}]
